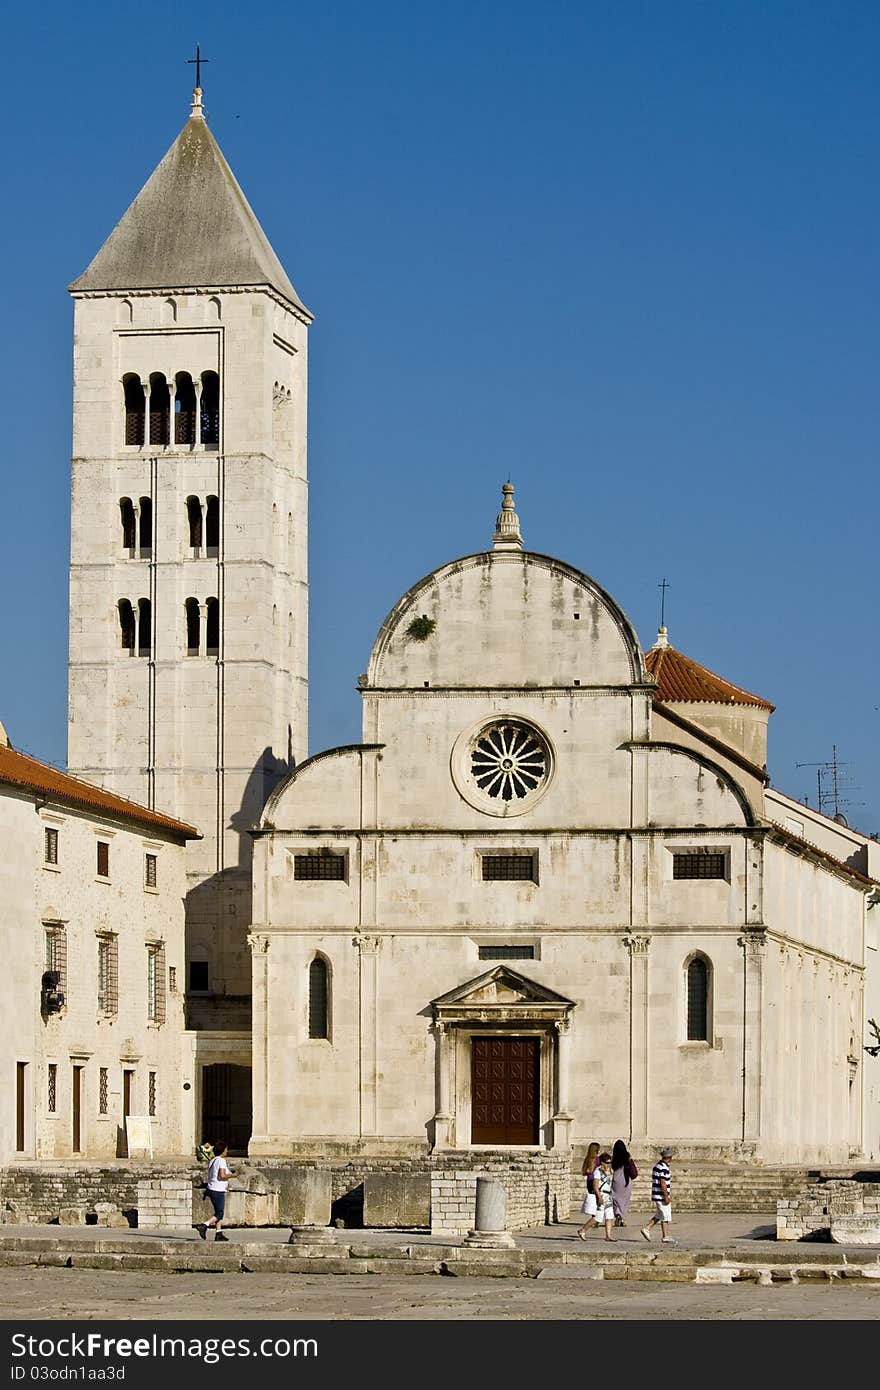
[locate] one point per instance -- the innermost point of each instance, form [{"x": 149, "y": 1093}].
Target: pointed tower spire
[{"x": 507, "y": 534}]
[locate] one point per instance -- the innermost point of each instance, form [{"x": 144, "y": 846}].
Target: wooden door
[
  {"x": 20, "y": 1094},
  {"x": 76, "y": 1098},
  {"x": 505, "y": 1080}
]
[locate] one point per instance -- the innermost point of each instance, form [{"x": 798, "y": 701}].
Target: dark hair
[
  {"x": 620, "y": 1154},
  {"x": 220, "y": 1147},
  {"x": 604, "y": 1157}
]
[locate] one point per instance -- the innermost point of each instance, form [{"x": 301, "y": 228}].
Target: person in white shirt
[{"x": 217, "y": 1183}]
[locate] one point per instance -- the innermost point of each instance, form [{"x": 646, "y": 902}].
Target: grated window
[
  {"x": 103, "y": 859},
  {"x": 50, "y": 852},
  {"x": 102, "y": 1091},
  {"x": 322, "y": 865},
  {"x": 156, "y": 983},
  {"x": 151, "y": 1093},
  {"x": 56, "y": 954},
  {"x": 52, "y": 1088},
  {"x": 150, "y": 870},
  {"x": 498, "y": 867},
  {"x": 507, "y": 953},
  {"x": 319, "y": 1002},
  {"x": 108, "y": 974},
  {"x": 698, "y": 1001},
  {"x": 699, "y": 866}
]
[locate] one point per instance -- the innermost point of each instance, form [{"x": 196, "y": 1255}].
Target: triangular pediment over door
[{"x": 501, "y": 995}]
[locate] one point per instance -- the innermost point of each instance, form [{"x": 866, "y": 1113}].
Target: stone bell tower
[{"x": 188, "y": 667}]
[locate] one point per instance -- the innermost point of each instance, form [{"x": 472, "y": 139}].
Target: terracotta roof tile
[
  {"x": 23, "y": 771},
  {"x": 681, "y": 678}
]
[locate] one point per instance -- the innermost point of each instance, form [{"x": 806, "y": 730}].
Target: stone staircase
[{"x": 709, "y": 1186}]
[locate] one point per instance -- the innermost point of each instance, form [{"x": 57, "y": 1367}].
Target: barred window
[
  {"x": 50, "y": 851},
  {"x": 507, "y": 952},
  {"x": 319, "y": 999},
  {"x": 102, "y": 1091},
  {"x": 698, "y": 1000},
  {"x": 156, "y": 983},
  {"x": 150, "y": 870},
  {"x": 103, "y": 859},
  {"x": 52, "y": 1088},
  {"x": 699, "y": 865},
  {"x": 151, "y": 1093},
  {"x": 319, "y": 865},
  {"x": 56, "y": 954},
  {"x": 509, "y": 866},
  {"x": 172, "y": 979},
  {"x": 108, "y": 974}
]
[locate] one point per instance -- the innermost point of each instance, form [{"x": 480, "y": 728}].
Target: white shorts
[
  {"x": 663, "y": 1211},
  {"x": 606, "y": 1213},
  {"x": 588, "y": 1205}
]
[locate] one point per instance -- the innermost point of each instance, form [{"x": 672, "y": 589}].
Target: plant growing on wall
[{"x": 420, "y": 629}]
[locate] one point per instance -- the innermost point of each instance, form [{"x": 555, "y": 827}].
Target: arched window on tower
[
  {"x": 698, "y": 999},
  {"x": 212, "y": 527},
  {"x": 210, "y": 433},
  {"x": 146, "y": 527},
  {"x": 145, "y": 627},
  {"x": 319, "y": 999},
  {"x": 184, "y": 409},
  {"x": 129, "y": 529},
  {"x": 212, "y": 627},
  {"x": 134, "y": 408},
  {"x": 160, "y": 404},
  {"x": 126, "y": 626},
  {"x": 194, "y": 522},
  {"x": 193, "y": 626}
]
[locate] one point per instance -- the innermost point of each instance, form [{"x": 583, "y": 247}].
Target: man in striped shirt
[{"x": 661, "y": 1196}]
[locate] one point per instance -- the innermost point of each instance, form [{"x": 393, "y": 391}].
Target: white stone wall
[{"x": 35, "y": 894}]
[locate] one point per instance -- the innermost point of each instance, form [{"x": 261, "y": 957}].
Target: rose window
[{"x": 509, "y": 761}]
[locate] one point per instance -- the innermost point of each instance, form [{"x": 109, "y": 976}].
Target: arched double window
[
  {"x": 160, "y": 405},
  {"x": 698, "y": 979},
  {"x": 134, "y": 408},
  {"x": 319, "y": 998},
  {"x": 210, "y": 410},
  {"x": 184, "y": 409}
]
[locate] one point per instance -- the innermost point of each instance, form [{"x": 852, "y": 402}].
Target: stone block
[
  {"x": 304, "y": 1196},
  {"x": 72, "y": 1216},
  {"x": 397, "y": 1200}
]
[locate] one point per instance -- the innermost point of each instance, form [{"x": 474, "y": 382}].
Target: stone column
[
  {"x": 752, "y": 943},
  {"x": 638, "y": 947},
  {"x": 562, "y": 1120},
  {"x": 203, "y": 627},
  {"x": 443, "y": 1117},
  {"x": 172, "y": 397},
  {"x": 259, "y": 944},
  {"x": 368, "y": 947},
  {"x": 490, "y": 1216},
  {"x": 197, "y": 435}
]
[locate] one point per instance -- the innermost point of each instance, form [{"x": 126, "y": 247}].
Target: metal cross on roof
[
  {"x": 663, "y": 586},
  {"x": 198, "y": 60}
]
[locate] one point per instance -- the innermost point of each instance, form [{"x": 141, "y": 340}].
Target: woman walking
[
  {"x": 590, "y": 1204},
  {"x": 623, "y": 1170}
]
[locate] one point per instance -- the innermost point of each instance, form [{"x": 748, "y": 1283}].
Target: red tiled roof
[
  {"x": 24, "y": 771},
  {"x": 680, "y": 678},
  {"x": 782, "y": 833}
]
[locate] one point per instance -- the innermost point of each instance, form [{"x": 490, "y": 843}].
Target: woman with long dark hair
[{"x": 623, "y": 1170}]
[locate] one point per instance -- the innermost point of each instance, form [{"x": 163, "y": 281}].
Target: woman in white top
[{"x": 218, "y": 1181}]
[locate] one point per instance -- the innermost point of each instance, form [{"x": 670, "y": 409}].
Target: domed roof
[{"x": 679, "y": 677}]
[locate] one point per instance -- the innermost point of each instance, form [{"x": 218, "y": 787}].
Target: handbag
[{"x": 631, "y": 1169}]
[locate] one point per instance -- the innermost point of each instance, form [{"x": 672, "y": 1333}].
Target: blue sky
[{"x": 625, "y": 254}]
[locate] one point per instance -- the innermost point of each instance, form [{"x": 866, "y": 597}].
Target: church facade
[{"x": 552, "y": 897}]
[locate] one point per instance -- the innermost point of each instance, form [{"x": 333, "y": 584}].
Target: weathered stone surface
[
  {"x": 398, "y": 1200},
  {"x": 72, "y": 1216},
  {"x": 304, "y": 1196}
]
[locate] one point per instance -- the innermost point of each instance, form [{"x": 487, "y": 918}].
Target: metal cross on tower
[
  {"x": 663, "y": 586},
  {"x": 198, "y": 60}
]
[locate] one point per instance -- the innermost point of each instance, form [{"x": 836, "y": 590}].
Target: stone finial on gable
[
  {"x": 662, "y": 640},
  {"x": 507, "y": 534},
  {"x": 196, "y": 108}
]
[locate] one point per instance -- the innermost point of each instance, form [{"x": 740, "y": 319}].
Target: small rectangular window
[
  {"x": 50, "y": 853},
  {"x": 52, "y": 1088},
  {"x": 507, "y": 952},
  {"x": 150, "y": 871},
  {"x": 102, "y": 1091},
  {"x": 172, "y": 979},
  {"x": 699, "y": 865},
  {"x": 103, "y": 859},
  {"x": 151, "y": 1093},
  {"x": 498, "y": 867},
  {"x": 108, "y": 974},
  {"x": 198, "y": 977},
  {"x": 322, "y": 865},
  {"x": 156, "y": 983}
]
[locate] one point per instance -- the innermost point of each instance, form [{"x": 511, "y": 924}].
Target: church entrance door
[
  {"x": 226, "y": 1105},
  {"x": 505, "y": 1077}
]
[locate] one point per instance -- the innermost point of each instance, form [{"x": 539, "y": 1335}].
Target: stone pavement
[{"x": 721, "y": 1248}]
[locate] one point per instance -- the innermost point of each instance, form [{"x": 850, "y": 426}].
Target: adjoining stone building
[
  {"x": 92, "y": 946},
  {"x": 552, "y": 897}
]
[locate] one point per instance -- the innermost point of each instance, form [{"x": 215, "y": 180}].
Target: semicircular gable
[
  {"x": 323, "y": 790},
  {"x": 505, "y": 619},
  {"x": 704, "y": 794}
]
